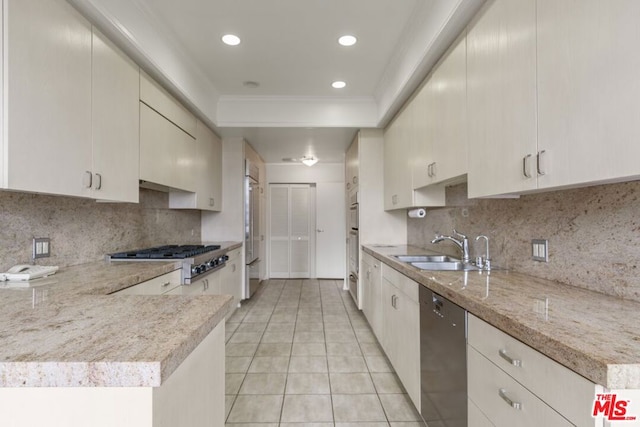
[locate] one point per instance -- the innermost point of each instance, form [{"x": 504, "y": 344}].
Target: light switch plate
[
  {"x": 41, "y": 247},
  {"x": 540, "y": 250}
]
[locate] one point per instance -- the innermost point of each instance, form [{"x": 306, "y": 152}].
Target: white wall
[{"x": 298, "y": 173}]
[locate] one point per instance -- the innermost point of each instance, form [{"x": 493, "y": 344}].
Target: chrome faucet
[
  {"x": 486, "y": 262},
  {"x": 462, "y": 244}
]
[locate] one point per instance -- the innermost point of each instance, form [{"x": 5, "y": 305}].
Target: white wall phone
[{"x": 27, "y": 272}]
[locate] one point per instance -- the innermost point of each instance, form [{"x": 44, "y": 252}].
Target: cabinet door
[
  {"x": 47, "y": 66},
  {"x": 115, "y": 123},
  {"x": 387, "y": 340},
  {"x": 398, "y": 185},
  {"x": 231, "y": 277},
  {"x": 422, "y": 136},
  {"x": 448, "y": 114},
  {"x": 588, "y": 90},
  {"x": 501, "y": 91},
  {"x": 351, "y": 164},
  {"x": 407, "y": 337},
  {"x": 199, "y": 287},
  {"x": 166, "y": 152},
  {"x": 158, "y": 285}
]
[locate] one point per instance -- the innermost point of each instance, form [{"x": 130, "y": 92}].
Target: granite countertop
[
  {"x": 592, "y": 334},
  {"x": 68, "y": 332}
]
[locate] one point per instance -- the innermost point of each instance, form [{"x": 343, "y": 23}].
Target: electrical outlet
[
  {"x": 540, "y": 250},
  {"x": 41, "y": 247}
]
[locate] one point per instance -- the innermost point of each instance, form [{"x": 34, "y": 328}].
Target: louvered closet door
[{"x": 290, "y": 230}]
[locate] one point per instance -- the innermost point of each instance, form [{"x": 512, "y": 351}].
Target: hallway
[{"x": 301, "y": 353}]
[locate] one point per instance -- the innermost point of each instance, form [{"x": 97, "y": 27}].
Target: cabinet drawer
[
  {"x": 156, "y": 286},
  {"x": 570, "y": 394},
  {"x": 485, "y": 383},
  {"x": 475, "y": 417},
  {"x": 402, "y": 282}
]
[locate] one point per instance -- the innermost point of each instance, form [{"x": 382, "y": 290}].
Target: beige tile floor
[{"x": 300, "y": 353}]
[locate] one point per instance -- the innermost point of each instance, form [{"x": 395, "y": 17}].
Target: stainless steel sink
[
  {"x": 426, "y": 258},
  {"x": 435, "y": 262},
  {"x": 444, "y": 265}
]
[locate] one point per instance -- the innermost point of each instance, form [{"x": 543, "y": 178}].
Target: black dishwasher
[{"x": 443, "y": 361}]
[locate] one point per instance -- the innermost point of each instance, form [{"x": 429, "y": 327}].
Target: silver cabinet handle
[
  {"x": 212, "y": 201},
  {"x": 433, "y": 169},
  {"x": 88, "y": 179},
  {"x": 98, "y": 185},
  {"x": 525, "y": 166},
  {"x": 355, "y": 180},
  {"x": 233, "y": 268},
  {"x": 319, "y": 230},
  {"x": 539, "y": 163},
  {"x": 429, "y": 170},
  {"x": 164, "y": 285},
  {"x": 394, "y": 301},
  {"x": 348, "y": 185},
  {"x": 515, "y": 362},
  {"x": 503, "y": 394}
]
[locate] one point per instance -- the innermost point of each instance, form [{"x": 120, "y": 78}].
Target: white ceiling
[{"x": 290, "y": 48}]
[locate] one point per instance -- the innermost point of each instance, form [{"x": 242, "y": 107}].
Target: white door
[
  {"x": 330, "y": 230},
  {"x": 290, "y": 225}
]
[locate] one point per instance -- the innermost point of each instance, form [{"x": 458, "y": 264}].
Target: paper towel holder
[{"x": 417, "y": 213}]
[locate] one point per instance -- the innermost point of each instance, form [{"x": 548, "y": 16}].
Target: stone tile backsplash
[
  {"x": 83, "y": 230},
  {"x": 593, "y": 233}
]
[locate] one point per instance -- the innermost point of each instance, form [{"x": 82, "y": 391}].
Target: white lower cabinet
[
  {"x": 514, "y": 385},
  {"x": 371, "y": 297},
  {"x": 161, "y": 285},
  {"x": 209, "y": 285},
  {"x": 193, "y": 395},
  {"x": 231, "y": 278},
  {"x": 401, "y": 329}
]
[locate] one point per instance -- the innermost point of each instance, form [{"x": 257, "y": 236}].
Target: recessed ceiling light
[
  {"x": 309, "y": 160},
  {"x": 338, "y": 84},
  {"x": 231, "y": 39},
  {"x": 347, "y": 40}
]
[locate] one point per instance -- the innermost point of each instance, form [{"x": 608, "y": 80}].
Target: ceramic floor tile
[
  {"x": 252, "y": 424},
  {"x": 309, "y": 349},
  {"x": 365, "y": 335},
  {"x": 358, "y": 383},
  {"x": 357, "y": 408},
  {"x": 308, "y": 364},
  {"x": 281, "y": 327},
  {"x": 245, "y": 337},
  {"x": 378, "y": 364},
  {"x": 343, "y": 349},
  {"x": 371, "y": 424},
  {"x": 245, "y": 349},
  {"x": 414, "y": 424},
  {"x": 306, "y": 425},
  {"x": 283, "y": 318},
  {"x": 263, "y": 384},
  {"x": 251, "y": 327},
  {"x": 371, "y": 349},
  {"x": 232, "y": 383},
  {"x": 340, "y": 336},
  {"x": 301, "y": 336},
  {"x": 335, "y": 318},
  {"x": 273, "y": 349},
  {"x": 386, "y": 382},
  {"x": 332, "y": 326},
  {"x": 399, "y": 407},
  {"x": 269, "y": 365},
  {"x": 307, "y": 384},
  {"x": 228, "y": 404},
  {"x": 237, "y": 365},
  {"x": 307, "y": 408},
  {"x": 277, "y": 337},
  {"x": 309, "y": 318},
  {"x": 309, "y": 327},
  {"x": 257, "y": 317},
  {"x": 347, "y": 364},
  {"x": 251, "y": 409}
]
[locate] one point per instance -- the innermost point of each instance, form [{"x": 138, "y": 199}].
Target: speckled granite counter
[
  {"x": 69, "y": 332},
  {"x": 593, "y": 334}
]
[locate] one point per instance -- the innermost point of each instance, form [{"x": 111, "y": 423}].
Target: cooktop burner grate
[{"x": 166, "y": 252}]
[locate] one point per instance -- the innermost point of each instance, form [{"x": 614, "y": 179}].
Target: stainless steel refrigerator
[{"x": 252, "y": 229}]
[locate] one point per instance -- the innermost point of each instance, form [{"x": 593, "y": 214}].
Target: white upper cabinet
[
  {"x": 115, "y": 123},
  {"x": 588, "y": 91},
  {"x": 207, "y": 172},
  {"x": 156, "y": 97},
  {"x": 399, "y": 141},
  {"x": 440, "y": 122},
  {"x": 47, "y": 100},
  {"x": 166, "y": 152},
  {"x": 352, "y": 166},
  {"x": 501, "y": 93}
]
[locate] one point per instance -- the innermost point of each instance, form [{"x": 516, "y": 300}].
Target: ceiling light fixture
[
  {"x": 347, "y": 40},
  {"x": 231, "y": 39},
  {"x": 338, "y": 84},
  {"x": 250, "y": 84},
  {"x": 309, "y": 160}
]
